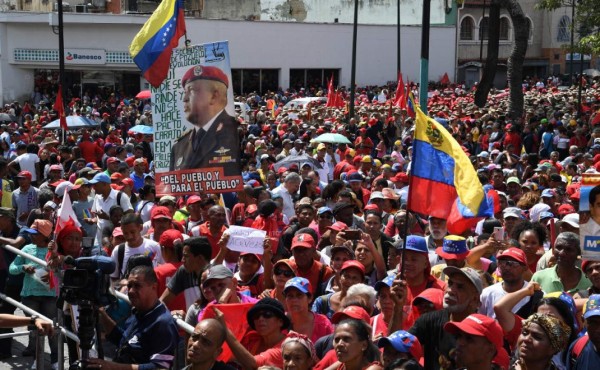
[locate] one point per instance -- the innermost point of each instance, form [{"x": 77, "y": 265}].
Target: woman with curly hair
[
  {"x": 528, "y": 200},
  {"x": 531, "y": 237}
]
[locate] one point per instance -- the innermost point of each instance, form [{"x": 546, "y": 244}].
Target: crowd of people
[{"x": 348, "y": 278}]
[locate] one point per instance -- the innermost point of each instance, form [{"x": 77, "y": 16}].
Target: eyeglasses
[
  {"x": 326, "y": 215},
  {"x": 286, "y": 273},
  {"x": 509, "y": 263},
  {"x": 264, "y": 314}
]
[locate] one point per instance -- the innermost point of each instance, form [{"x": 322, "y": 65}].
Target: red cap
[
  {"x": 112, "y": 160},
  {"x": 193, "y": 199},
  {"x": 160, "y": 212},
  {"x": 338, "y": 226},
  {"x": 303, "y": 240},
  {"x": 55, "y": 167},
  {"x": 258, "y": 256},
  {"x": 356, "y": 159},
  {"x": 479, "y": 325},
  {"x": 351, "y": 312},
  {"x": 55, "y": 183},
  {"x": 585, "y": 264},
  {"x": 514, "y": 253},
  {"x": 353, "y": 264},
  {"x": 400, "y": 177},
  {"x": 281, "y": 170},
  {"x": 433, "y": 295},
  {"x": 566, "y": 209},
  {"x": 372, "y": 207},
  {"x": 127, "y": 181},
  {"x": 116, "y": 176},
  {"x": 26, "y": 174},
  {"x": 105, "y": 115},
  {"x": 169, "y": 238},
  {"x": 204, "y": 73}
]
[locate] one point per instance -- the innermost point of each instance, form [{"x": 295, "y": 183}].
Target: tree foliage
[{"x": 587, "y": 21}]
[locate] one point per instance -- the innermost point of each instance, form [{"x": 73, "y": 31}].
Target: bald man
[
  {"x": 214, "y": 139},
  {"x": 205, "y": 346}
]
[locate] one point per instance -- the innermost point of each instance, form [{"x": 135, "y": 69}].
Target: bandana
[
  {"x": 304, "y": 341},
  {"x": 558, "y": 332}
]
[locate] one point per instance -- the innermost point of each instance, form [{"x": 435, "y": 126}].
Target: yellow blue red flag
[
  {"x": 444, "y": 183},
  {"x": 151, "y": 48}
]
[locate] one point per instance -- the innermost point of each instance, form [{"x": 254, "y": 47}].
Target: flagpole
[
  {"x": 398, "y": 31},
  {"x": 61, "y": 60},
  {"x": 405, "y": 231},
  {"x": 353, "y": 68},
  {"x": 424, "y": 78}
]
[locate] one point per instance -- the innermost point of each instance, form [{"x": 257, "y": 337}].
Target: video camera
[{"x": 89, "y": 281}]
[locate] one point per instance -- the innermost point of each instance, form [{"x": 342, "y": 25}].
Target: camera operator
[{"x": 150, "y": 337}]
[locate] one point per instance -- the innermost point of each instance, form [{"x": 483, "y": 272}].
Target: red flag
[
  {"x": 445, "y": 79},
  {"x": 59, "y": 108},
  {"x": 400, "y": 99},
  {"x": 331, "y": 94},
  {"x": 235, "y": 319}
]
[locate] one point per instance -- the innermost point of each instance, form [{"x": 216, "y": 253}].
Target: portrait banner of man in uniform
[
  {"x": 589, "y": 216},
  {"x": 196, "y": 139}
]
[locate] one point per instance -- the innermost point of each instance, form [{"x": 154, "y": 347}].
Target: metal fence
[{"x": 39, "y": 353}]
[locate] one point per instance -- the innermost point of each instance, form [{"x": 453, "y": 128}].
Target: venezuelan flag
[
  {"x": 444, "y": 183},
  {"x": 410, "y": 104},
  {"x": 151, "y": 48}
]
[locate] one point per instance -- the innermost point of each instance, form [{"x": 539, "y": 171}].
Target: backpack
[{"x": 578, "y": 347}]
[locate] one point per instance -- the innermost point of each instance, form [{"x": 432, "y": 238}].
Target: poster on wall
[
  {"x": 589, "y": 216},
  {"x": 196, "y": 140}
]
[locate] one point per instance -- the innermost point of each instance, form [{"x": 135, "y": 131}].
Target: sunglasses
[
  {"x": 326, "y": 215},
  {"x": 264, "y": 314},
  {"x": 286, "y": 273},
  {"x": 509, "y": 263}
]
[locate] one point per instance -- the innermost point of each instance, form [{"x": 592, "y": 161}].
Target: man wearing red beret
[{"x": 214, "y": 139}]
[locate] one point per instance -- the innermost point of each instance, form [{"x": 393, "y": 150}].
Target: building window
[
  {"x": 530, "y": 29},
  {"x": 260, "y": 80},
  {"x": 504, "y": 29},
  {"x": 564, "y": 29},
  {"x": 484, "y": 29},
  {"x": 466, "y": 28},
  {"x": 314, "y": 77}
]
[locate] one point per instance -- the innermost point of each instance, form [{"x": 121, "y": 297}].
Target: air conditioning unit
[
  {"x": 66, "y": 7},
  {"x": 81, "y": 8}
]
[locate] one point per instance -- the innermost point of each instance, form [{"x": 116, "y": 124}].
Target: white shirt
[
  {"x": 492, "y": 294},
  {"x": 104, "y": 204},
  {"x": 148, "y": 247},
  {"x": 288, "y": 201},
  {"x": 27, "y": 162}
]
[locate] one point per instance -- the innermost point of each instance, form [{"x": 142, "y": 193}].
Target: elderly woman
[
  {"x": 541, "y": 338},
  {"x": 564, "y": 276},
  {"x": 262, "y": 345},
  {"x": 354, "y": 348},
  {"x": 297, "y": 300}
]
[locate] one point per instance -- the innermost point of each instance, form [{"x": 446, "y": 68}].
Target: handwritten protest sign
[
  {"x": 196, "y": 144},
  {"x": 246, "y": 239}
]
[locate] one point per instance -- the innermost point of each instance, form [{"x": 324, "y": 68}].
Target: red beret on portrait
[{"x": 205, "y": 73}]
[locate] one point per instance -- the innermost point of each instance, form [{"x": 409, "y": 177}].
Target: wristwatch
[{"x": 32, "y": 320}]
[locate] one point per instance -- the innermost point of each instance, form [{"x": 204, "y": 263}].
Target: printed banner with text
[
  {"x": 589, "y": 216},
  {"x": 196, "y": 140}
]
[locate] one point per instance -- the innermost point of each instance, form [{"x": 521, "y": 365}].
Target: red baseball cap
[
  {"x": 372, "y": 207},
  {"x": 303, "y": 240},
  {"x": 26, "y": 174},
  {"x": 515, "y": 254},
  {"x": 112, "y": 160},
  {"x": 566, "y": 209},
  {"x": 160, "y": 212},
  {"x": 116, "y": 176},
  {"x": 169, "y": 238},
  {"x": 338, "y": 226},
  {"x": 353, "y": 264},
  {"x": 193, "y": 199},
  {"x": 478, "y": 325},
  {"x": 351, "y": 312},
  {"x": 400, "y": 177}
]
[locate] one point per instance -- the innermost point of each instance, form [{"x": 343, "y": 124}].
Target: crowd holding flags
[{"x": 151, "y": 48}]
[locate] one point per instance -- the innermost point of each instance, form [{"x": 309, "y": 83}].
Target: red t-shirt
[
  {"x": 321, "y": 327},
  {"x": 204, "y": 230},
  {"x": 270, "y": 357},
  {"x": 164, "y": 273},
  {"x": 312, "y": 274}
]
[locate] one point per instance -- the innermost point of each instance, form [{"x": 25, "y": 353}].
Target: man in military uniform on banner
[{"x": 214, "y": 139}]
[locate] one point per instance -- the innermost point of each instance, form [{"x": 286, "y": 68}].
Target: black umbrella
[
  {"x": 298, "y": 160},
  {"x": 5, "y": 117}
]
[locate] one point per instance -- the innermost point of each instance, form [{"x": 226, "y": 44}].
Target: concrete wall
[{"x": 280, "y": 45}]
